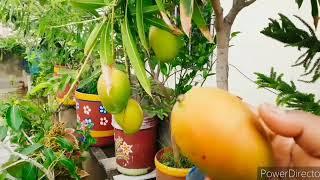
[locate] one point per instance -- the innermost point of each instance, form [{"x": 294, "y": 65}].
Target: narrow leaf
[
  {"x": 29, "y": 172},
  {"x": 14, "y": 118},
  {"x": 186, "y": 11},
  {"x": 157, "y": 22},
  {"x": 166, "y": 18},
  {"x": 50, "y": 157},
  {"x": 106, "y": 47},
  {"x": 31, "y": 149},
  {"x": 140, "y": 25},
  {"x": 132, "y": 51},
  {"x": 93, "y": 37},
  {"x": 201, "y": 23}
]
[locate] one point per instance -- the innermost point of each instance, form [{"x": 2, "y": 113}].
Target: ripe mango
[
  {"x": 119, "y": 94},
  {"x": 219, "y": 134},
  {"x": 165, "y": 45},
  {"x": 131, "y": 118}
]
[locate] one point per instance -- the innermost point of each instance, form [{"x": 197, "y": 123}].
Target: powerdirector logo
[{"x": 296, "y": 173}]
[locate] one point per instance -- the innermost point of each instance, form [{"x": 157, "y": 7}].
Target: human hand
[{"x": 294, "y": 136}]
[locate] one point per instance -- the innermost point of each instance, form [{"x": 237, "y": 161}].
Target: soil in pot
[
  {"x": 135, "y": 153},
  {"x": 167, "y": 169}
]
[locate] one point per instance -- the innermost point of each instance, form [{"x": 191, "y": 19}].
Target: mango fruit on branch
[
  {"x": 219, "y": 134},
  {"x": 131, "y": 118},
  {"x": 114, "y": 98},
  {"x": 165, "y": 45}
]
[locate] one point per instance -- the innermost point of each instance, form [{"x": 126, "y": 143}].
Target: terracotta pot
[
  {"x": 90, "y": 110},
  {"x": 169, "y": 173},
  {"x": 60, "y": 95},
  {"x": 135, "y": 153}
]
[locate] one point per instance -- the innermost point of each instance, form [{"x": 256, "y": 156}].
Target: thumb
[{"x": 302, "y": 126}]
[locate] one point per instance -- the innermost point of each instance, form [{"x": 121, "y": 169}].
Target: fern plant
[{"x": 288, "y": 95}]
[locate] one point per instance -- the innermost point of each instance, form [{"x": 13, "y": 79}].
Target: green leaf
[
  {"x": 3, "y": 132},
  {"x": 39, "y": 87},
  {"x": 13, "y": 117},
  {"x": 88, "y": 4},
  {"x": 69, "y": 165},
  {"x": 93, "y": 37},
  {"x": 201, "y": 23},
  {"x": 64, "y": 143},
  {"x": 186, "y": 11},
  {"x": 314, "y": 8},
  {"x": 157, "y": 22},
  {"x": 50, "y": 157},
  {"x": 140, "y": 24},
  {"x": 16, "y": 170},
  {"x": 31, "y": 149},
  {"x": 234, "y": 34},
  {"x": 106, "y": 45},
  {"x": 132, "y": 51},
  {"x": 29, "y": 172}
]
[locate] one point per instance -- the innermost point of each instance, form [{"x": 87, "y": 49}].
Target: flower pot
[
  {"x": 91, "y": 111},
  {"x": 70, "y": 101},
  {"x": 169, "y": 173},
  {"x": 135, "y": 153}
]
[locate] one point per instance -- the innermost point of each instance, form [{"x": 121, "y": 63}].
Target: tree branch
[
  {"x": 237, "y": 6},
  {"x": 218, "y": 11}
]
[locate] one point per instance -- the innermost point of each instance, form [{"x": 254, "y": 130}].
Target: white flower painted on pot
[
  {"x": 103, "y": 121},
  {"x": 77, "y": 105},
  {"x": 86, "y": 110},
  {"x": 102, "y": 110},
  {"x": 125, "y": 148}
]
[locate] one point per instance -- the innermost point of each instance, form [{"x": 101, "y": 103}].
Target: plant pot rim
[
  {"x": 146, "y": 124},
  {"x": 85, "y": 96},
  {"x": 176, "y": 172}
]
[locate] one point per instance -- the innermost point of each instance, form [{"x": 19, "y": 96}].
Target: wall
[{"x": 254, "y": 52}]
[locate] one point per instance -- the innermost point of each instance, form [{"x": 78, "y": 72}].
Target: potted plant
[
  {"x": 40, "y": 147},
  {"x": 91, "y": 111}
]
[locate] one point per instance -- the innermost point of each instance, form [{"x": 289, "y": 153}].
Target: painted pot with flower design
[
  {"x": 135, "y": 152},
  {"x": 90, "y": 112}
]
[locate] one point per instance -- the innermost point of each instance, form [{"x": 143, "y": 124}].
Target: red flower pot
[
  {"x": 135, "y": 153},
  {"x": 90, "y": 110},
  {"x": 60, "y": 95}
]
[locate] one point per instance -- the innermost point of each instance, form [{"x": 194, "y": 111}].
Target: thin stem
[{"x": 79, "y": 22}]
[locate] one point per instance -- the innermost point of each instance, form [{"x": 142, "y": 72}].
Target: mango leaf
[
  {"x": 157, "y": 22},
  {"x": 64, "y": 143},
  {"x": 31, "y": 149},
  {"x": 166, "y": 18},
  {"x": 88, "y": 4},
  {"x": 93, "y": 37},
  {"x": 140, "y": 25},
  {"x": 186, "y": 11},
  {"x": 14, "y": 118},
  {"x": 3, "y": 132},
  {"x": 201, "y": 23},
  {"x": 132, "y": 51},
  {"x": 106, "y": 45}
]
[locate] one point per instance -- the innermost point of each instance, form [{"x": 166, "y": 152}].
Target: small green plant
[{"x": 168, "y": 160}]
